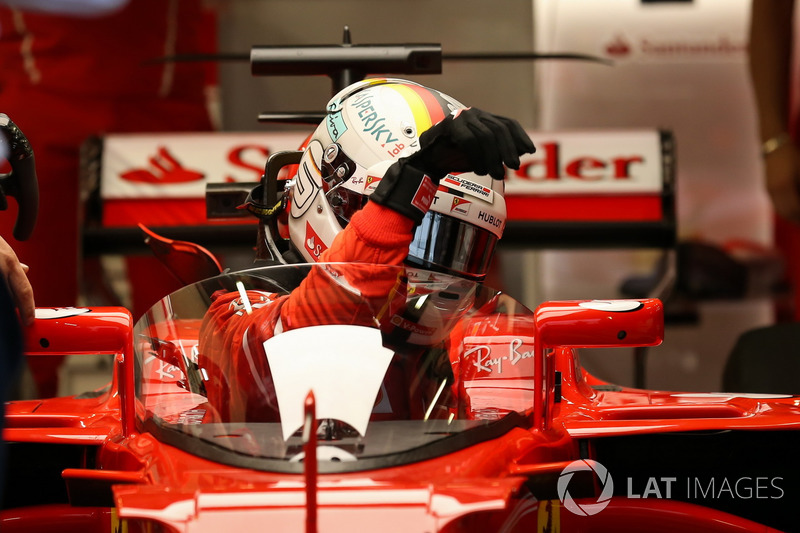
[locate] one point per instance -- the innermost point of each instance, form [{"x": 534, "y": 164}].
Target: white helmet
[{"x": 369, "y": 125}]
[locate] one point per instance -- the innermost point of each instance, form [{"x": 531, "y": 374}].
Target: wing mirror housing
[
  {"x": 587, "y": 324},
  {"x": 600, "y": 323}
]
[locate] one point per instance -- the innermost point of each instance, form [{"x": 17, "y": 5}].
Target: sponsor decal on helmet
[
  {"x": 313, "y": 243},
  {"x": 460, "y": 206},
  {"x": 335, "y": 104},
  {"x": 371, "y": 121},
  {"x": 372, "y": 183},
  {"x": 396, "y": 150},
  {"x": 336, "y": 125},
  {"x": 468, "y": 187},
  {"x": 423, "y": 198},
  {"x": 490, "y": 219}
]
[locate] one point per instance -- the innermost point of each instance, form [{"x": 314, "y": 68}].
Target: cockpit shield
[{"x": 405, "y": 365}]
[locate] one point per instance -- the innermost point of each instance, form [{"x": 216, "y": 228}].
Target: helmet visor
[{"x": 457, "y": 247}]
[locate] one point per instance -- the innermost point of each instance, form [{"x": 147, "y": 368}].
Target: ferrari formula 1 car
[
  {"x": 443, "y": 405},
  {"x": 479, "y": 419}
]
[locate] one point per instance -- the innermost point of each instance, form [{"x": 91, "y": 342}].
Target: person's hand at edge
[
  {"x": 782, "y": 177},
  {"x": 15, "y": 276}
]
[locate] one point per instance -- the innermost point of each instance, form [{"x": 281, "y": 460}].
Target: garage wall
[
  {"x": 679, "y": 66},
  {"x": 464, "y": 26},
  {"x": 703, "y": 98}
]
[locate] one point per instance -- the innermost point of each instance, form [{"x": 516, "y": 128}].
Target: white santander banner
[
  {"x": 590, "y": 162},
  {"x": 138, "y": 166},
  {"x": 160, "y": 166}
]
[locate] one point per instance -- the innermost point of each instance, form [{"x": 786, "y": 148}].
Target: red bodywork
[{"x": 116, "y": 475}]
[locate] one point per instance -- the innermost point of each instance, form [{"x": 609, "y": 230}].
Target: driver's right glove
[{"x": 469, "y": 140}]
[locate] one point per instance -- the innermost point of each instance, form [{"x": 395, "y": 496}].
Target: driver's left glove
[{"x": 469, "y": 140}]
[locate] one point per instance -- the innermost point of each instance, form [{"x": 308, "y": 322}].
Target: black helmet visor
[{"x": 452, "y": 245}]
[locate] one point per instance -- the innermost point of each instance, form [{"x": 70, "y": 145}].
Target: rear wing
[
  {"x": 594, "y": 189},
  {"x": 581, "y": 189}
]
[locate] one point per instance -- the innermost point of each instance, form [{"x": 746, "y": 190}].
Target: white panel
[{"x": 678, "y": 66}]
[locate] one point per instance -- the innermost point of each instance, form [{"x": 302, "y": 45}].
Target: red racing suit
[
  {"x": 487, "y": 359},
  {"x": 230, "y": 342}
]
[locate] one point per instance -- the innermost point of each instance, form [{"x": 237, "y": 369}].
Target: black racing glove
[{"x": 470, "y": 140}]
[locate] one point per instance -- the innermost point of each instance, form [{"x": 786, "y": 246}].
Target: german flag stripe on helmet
[{"x": 428, "y": 108}]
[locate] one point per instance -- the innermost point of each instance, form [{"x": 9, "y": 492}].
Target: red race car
[
  {"x": 479, "y": 418},
  {"x": 438, "y": 404}
]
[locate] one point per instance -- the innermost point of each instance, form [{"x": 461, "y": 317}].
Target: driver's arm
[
  {"x": 469, "y": 140},
  {"x": 383, "y": 243}
]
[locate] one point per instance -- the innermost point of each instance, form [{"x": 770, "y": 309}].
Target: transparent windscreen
[{"x": 403, "y": 364}]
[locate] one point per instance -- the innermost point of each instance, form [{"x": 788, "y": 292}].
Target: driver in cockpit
[{"x": 397, "y": 173}]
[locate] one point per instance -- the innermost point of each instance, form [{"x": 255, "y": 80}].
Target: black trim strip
[
  {"x": 438, "y": 448},
  {"x": 533, "y": 235}
]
